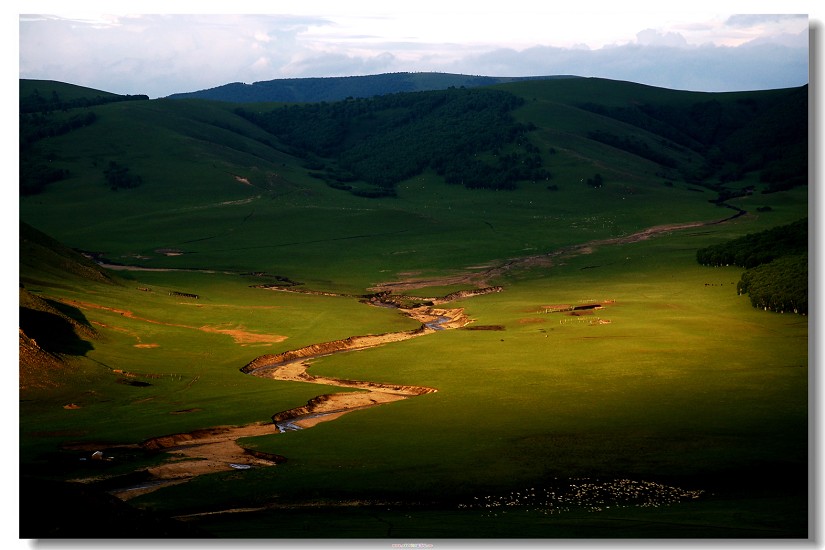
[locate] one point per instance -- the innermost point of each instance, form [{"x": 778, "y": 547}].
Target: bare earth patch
[
  {"x": 244, "y": 337},
  {"x": 216, "y": 449},
  {"x": 198, "y": 453},
  {"x": 531, "y": 320},
  {"x": 238, "y": 333}
]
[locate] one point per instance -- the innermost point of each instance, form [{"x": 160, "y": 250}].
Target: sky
[{"x": 111, "y": 48}]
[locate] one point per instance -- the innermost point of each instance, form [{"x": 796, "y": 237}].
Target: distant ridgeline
[
  {"x": 468, "y": 136},
  {"x": 338, "y": 88},
  {"x": 777, "y": 266}
]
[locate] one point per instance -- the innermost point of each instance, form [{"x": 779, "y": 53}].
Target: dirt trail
[{"x": 483, "y": 278}]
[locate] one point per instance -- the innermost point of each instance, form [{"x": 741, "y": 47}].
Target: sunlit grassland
[
  {"x": 189, "y": 351},
  {"x": 686, "y": 385},
  {"x": 679, "y": 360},
  {"x": 671, "y": 339}
]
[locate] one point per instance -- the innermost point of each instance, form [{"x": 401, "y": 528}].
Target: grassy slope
[
  {"x": 191, "y": 200},
  {"x": 189, "y": 154},
  {"x": 67, "y": 92},
  {"x": 686, "y": 384},
  {"x": 174, "y": 344}
]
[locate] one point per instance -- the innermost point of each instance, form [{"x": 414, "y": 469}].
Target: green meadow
[
  {"x": 687, "y": 386},
  {"x": 675, "y": 381},
  {"x": 684, "y": 384}
]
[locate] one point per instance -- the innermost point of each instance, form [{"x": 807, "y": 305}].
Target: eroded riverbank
[{"x": 216, "y": 449}]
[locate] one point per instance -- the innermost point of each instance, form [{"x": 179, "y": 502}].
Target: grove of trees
[
  {"x": 758, "y": 248},
  {"x": 119, "y": 177},
  {"x": 777, "y": 266},
  {"x": 468, "y": 136},
  {"x": 781, "y": 285},
  {"x": 734, "y": 134}
]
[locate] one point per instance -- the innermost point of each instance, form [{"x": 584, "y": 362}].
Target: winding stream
[{"x": 216, "y": 448}]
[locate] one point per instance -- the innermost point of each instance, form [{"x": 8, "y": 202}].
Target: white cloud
[
  {"x": 163, "y": 54},
  {"x": 708, "y": 68},
  {"x": 757, "y": 19},
  {"x": 651, "y": 37},
  {"x": 334, "y": 64},
  {"x": 799, "y": 40},
  {"x": 262, "y": 37},
  {"x": 159, "y": 54},
  {"x": 260, "y": 64}
]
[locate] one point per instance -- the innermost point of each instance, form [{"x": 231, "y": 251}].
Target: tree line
[
  {"x": 37, "y": 170},
  {"x": 468, "y": 137},
  {"x": 776, "y": 260},
  {"x": 47, "y": 117},
  {"x": 736, "y": 133},
  {"x": 781, "y": 285},
  {"x": 37, "y": 126},
  {"x": 38, "y": 103},
  {"x": 119, "y": 176},
  {"x": 758, "y": 248},
  {"x": 634, "y": 145}
]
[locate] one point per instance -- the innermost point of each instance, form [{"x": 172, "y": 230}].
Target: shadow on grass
[{"x": 54, "y": 333}]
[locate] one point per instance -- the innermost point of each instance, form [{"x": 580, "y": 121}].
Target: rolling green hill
[
  {"x": 197, "y": 176},
  {"x": 606, "y": 383},
  {"x": 37, "y": 96}
]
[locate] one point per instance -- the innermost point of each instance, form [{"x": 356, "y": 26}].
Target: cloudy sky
[{"x": 114, "y": 49}]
